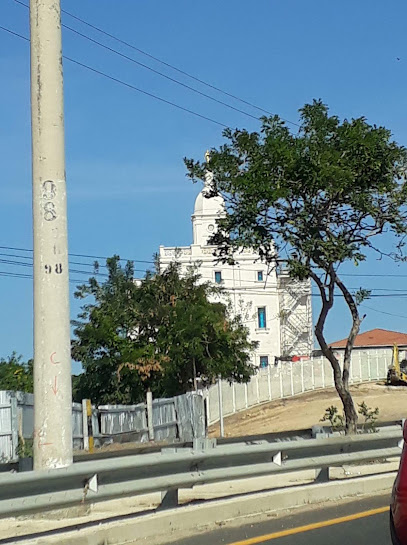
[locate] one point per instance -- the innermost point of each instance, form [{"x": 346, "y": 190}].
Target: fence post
[
  {"x": 312, "y": 372},
  {"x": 257, "y": 386},
  {"x": 291, "y": 378},
  {"x": 369, "y": 373},
  {"x": 269, "y": 381},
  {"x": 323, "y": 371},
  {"x": 233, "y": 398},
  {"x": 14, "y": 426},
  {"x": 377, "y": 364},
  {"x": 85, "y": 435},
  {"x": 281, "y": 383},
  {"x": 87, "y": 425},
  {"x": 360, "y": 367},
  {"x": 221, "y": 427},
  {"x": 246, "y": 400},
  {"x": 206, "y": 401},
  {"x": 150, "y": 423},
  {"x": 302, "y": 376}
]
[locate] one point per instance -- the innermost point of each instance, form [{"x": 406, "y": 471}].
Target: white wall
[
  {"x": 290, "y": 379},
  {"x": 244, "y": 292}
]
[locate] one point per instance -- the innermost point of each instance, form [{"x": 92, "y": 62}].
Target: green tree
[
  {"x": 316, "y": 199},
  {"x": 15, "y": 374},
  {"x": 163, "y": 334},
  {"x": 102, "y": 340}
]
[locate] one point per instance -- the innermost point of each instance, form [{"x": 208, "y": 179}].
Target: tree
[
  {"x": 15, "y": 374},
  {"x": 102, "y": 340},
  {"x": 163, "y": 334},
  {"x": 316, "y": 199}
]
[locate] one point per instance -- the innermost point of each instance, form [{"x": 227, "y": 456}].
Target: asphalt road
[{"x": 358, "y": 523}]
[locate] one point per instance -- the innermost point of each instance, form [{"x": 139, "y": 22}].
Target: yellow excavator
[{"x": 397, "y": 373}]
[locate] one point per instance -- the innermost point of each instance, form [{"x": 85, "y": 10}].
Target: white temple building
[{"x": 276, "y": 309}]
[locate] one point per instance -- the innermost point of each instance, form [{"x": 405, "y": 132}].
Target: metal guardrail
[
  {"x": 93, "y": 481},
  {"x": 129, "y": 448}
]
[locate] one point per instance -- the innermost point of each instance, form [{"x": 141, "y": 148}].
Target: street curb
[{"x": 174, "y": 524}]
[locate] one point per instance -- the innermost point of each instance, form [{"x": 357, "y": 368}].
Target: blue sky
[{"x": 126, "y": 180}]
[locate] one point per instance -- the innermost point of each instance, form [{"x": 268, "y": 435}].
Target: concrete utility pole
[{"x": 52, "y": 354}]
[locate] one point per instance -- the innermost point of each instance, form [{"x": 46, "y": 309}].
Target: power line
[
  {"x": 24, "y": 264},
  {"x": 376, "y": 275},
  {"x": 384, "y": 312},
  {"x": 21, "y": 275},
  {"x": 120, "y": 54},
  {"x": 30, "y": 276},
  {"x": 125, "y": 83},
  {"x": 183, "y": 72},
  {"x": 400, "y": 293},
  {"x": 75, "y": 255},
  {"x": 245, "y": 281},
  {"x": 116, "y": 52},
  {"x": 83, "y": 264},
  {"x": 404, "y": 294}
]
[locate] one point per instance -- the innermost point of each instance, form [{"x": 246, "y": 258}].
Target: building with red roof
[
  {"x": 375, "y": 338},
  {"x": 377, "y": 341}
]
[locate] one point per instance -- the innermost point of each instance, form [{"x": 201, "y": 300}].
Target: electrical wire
[
  {"x": 260, "y": 291},
  {"x": 30, "y": 276},
  {"x": 92, "y": 265},
  {"x": 168, "y": 65},
  {"x": 77, "y": 255},
  {"x": 125, "y": 83},
  {"x": 384, "y": 312},
  {"x": 20, "y": 275},
  {"x": 116, "y": 52},
  {"x": 245, "y": 281},
  {"x": 22, "y": 264}
]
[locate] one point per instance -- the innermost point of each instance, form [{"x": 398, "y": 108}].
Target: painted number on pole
[
  {"x": 57, "y": 269},
  {"x": 49, "y": 191}
]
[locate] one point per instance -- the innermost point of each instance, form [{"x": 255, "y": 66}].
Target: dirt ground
[{"x": 304, "y": 411}]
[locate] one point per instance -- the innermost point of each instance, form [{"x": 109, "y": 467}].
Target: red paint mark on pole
[
  {"x": 52, "y": 359},
  {"x": 44, "y": 444},
  {"x": 55, "y": 386}
]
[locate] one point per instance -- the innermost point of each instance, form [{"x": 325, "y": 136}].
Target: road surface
[{"x": 357, "y": 523}]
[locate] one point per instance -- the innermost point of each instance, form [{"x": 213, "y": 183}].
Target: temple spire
[{"x": 208, "y": 174}]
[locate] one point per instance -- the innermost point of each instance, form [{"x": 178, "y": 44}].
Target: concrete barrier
[{"x": 172, "y": 525}]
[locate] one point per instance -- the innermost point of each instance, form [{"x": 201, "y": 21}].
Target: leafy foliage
[
  {"x": 333, "y": 417},
  {"x": 162, "y": 335},
  {"x": 25, "y": 448},
  {"x": 337, "y": 420},
  {"x": 15, "y": 374},
  {"x": 370, "y": 416},
  {"x": 315, "y": 199}
]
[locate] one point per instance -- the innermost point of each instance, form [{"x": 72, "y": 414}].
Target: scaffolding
[{"x": 295, "y": 316}]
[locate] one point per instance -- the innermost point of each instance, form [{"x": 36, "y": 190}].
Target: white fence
[{"x": 292, "y": 378}]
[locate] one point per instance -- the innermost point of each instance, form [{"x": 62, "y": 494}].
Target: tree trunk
[
  {"x": 341, "y": 380},
  {"x": 351, "y": 416}
]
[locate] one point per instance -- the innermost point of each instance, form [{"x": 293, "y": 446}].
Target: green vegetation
[
  {"x": 164, "y": 335},
  {"x": 315, "y": 198}
]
